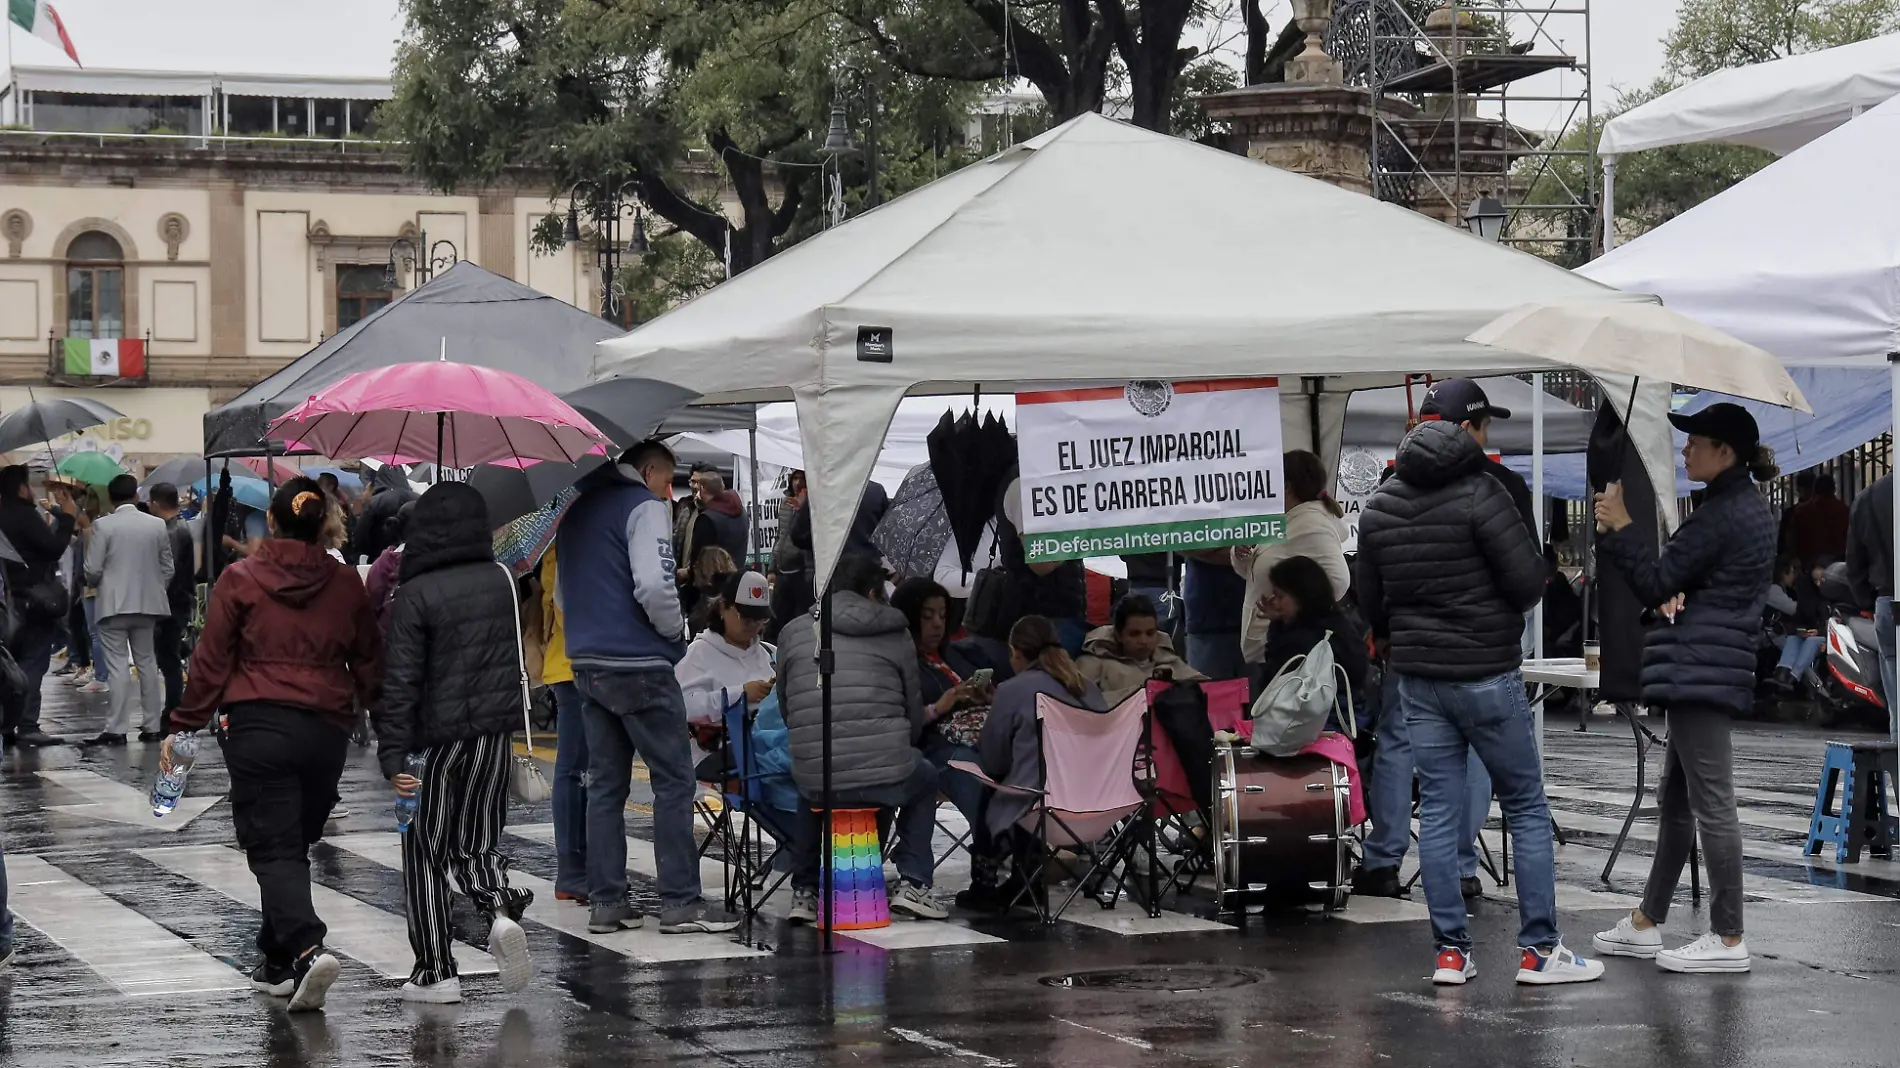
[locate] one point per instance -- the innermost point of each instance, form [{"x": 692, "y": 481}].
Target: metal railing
[{"x": 340, "y": 144}]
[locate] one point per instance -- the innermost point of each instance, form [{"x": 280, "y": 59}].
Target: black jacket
[
  {"x": 1722, "y": 559},
  {"x": 1446, "y": 567},
  {"x": 1870, "y": 543},
  {"x": 39, "y": 544},
  {"x": 453, "y": 653},
  {"x": 183, "y": 589},
  {"x": 1519, "y": 490},
  {"x": 372, "y": 526}
]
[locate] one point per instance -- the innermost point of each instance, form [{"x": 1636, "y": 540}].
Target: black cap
[
  {"x": 1730, "y": 424},
  {"x": 1459, "y": 400}
]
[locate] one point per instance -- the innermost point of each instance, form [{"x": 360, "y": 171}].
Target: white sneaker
[
  {"x": 340, "y": 813},
  {"x": 1625, "y": 940},
  {"x": 80, "y": 677},
  {"x": 95, "y": 686},
  {"x": 804, "y": 907},
  {"x": 1537, "y": 968},
  {"x": 1455, "y": 967},
  {"x": 1705, "y": 954},
  {"x": 508, "y": 944},
  {"x": 918, "y": 902},
  {"x": 446, "y": 992}
]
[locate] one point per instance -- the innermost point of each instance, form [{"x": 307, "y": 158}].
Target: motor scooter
[{"x": 1852, "y": 652}]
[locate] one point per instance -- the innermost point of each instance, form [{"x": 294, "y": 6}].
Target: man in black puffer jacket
[
  {"x": 452, "y": 695},
  {"x": 1446, "y": 572}
]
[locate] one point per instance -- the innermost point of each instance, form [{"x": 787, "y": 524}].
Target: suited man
[{"x": 130, "y": 563}]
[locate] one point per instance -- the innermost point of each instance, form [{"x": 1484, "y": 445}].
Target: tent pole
[
  {"x": 824, "y": 689},
  {"x": 752, "y": 457},
  {"x": 1543, "y": 511},
  {"x": 440, "y": 418},
  {"x": 1313, "y": 388},
  {"x": 1609, "y": 203},
  {"x": 1893, "y": 384}
]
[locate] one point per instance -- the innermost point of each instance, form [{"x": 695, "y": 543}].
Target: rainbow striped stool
[{"x": 857, "y": 872}]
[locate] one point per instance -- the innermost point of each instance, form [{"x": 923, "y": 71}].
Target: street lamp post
[
  {"x": 607, "y": 209},
  {"x": 413, "y": 258},
  {"x": 1486, "y": 217},
  {"x": 838, "y": 139}
]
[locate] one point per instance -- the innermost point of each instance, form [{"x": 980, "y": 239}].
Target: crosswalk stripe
[
  {"x": 378, "y": 939},
  {"x": 645, "y": 945},
  {"x": 1621, "y": 800},
  {"x": 135, "y": 955},
  {"x": 1766, "y": 888},
  {"x": 901, "y": 934},
  {"x": 1644, "y": 831}
]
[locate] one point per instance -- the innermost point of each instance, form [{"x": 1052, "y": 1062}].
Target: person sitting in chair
[
  {"x": 1121, "y": 658},
  {"x": 1301, "y": 613},
  {"x": 877, "y": 722}
]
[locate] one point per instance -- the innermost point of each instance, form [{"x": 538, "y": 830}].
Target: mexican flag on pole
[
  {"x": 38, "y": 18},
  {"x": 105, "y": 357}
]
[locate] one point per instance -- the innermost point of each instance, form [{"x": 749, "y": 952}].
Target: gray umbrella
[
  {"x": 179, "y": 471},
  {"x": 43, "y": 420},
  {"x": 916, "y": 527}
]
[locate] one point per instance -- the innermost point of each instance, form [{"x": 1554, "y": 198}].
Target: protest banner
[{"x": 1150, "y": 467}]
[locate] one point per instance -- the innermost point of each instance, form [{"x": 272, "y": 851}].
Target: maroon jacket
[{"x": 292, "y": 626}]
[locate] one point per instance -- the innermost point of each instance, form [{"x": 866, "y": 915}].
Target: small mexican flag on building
[
  {"x": 38, "y": 18},
  {"x": 105, "y": 357}
]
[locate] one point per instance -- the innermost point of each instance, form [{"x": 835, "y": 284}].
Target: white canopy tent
[
  {"x": 1100, "y": 252},
  {"x": 1779, "y": 106},
  {"x": 1816, "y": 288}
]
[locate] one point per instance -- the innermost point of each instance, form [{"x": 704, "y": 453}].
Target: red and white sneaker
[
  {"x": 1455, "y": 966},
  {"x": 1558, "y": 965}
]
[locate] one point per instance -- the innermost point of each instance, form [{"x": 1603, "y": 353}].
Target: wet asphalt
[{"x": 1287, "y": 987}]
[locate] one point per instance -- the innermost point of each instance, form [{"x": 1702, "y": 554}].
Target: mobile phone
[{"x": 982, "y": 676}]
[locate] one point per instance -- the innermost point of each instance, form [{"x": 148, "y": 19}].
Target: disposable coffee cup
[{"x": 1592, "y": 656}]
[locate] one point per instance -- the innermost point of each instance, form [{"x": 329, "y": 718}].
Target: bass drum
[{"x": 1280, "y": 827}]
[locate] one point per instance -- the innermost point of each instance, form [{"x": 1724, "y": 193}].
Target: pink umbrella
[
  {"x": 459, "y": 414},
  {"x": 272, "y": 470}
]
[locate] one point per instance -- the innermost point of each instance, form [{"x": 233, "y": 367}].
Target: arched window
[{"x": 95, "y": 286}]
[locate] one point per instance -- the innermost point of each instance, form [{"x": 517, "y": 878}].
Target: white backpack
[{"x": 1291, "y": 712}]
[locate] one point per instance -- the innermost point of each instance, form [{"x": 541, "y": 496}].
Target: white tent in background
[
  {"x": 1779, "y": 106},
  {"x": 1097, "y": 251}
]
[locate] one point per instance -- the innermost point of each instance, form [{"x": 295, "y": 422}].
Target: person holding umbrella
[{"x": 40, "y": 534}]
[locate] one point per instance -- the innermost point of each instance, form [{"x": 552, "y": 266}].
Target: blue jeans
[
  {"x": 1391, "y": 801},
  {"x": 99, "y": 671},
  {"x": 570, "y": 790},
  {"x": 1493, "y": 716},
  {"x": 1798, "y": 654},
  {"x": 1883, "y": 635},
  {"x": 1216, "y": 654},
  {"x": 642, "y": 712},
  {"x": 1073, "y": 633},
  {"x": 1168, "y": 614}
]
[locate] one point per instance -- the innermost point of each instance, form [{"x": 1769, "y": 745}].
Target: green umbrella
[{"x": 92, "y": 468}]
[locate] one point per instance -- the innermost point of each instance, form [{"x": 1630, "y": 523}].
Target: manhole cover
[{"x": 1182, "y": 980}]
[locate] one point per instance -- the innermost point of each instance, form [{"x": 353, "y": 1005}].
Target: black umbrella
[
  {"x": 44, "y": 420},
  {"x": 970, "y": 456},
  {"x": 512, "y": 492}
]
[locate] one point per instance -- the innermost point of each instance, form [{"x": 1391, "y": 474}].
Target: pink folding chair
[{"x": 1089, "y": 794}]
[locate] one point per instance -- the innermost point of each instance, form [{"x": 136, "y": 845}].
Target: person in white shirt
[
  {"x": 727, "y": 658},
  {"x": 1313, "y": 529}
]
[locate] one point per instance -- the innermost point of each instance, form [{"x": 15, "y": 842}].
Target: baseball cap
[
  {"x": 1459, "y": 400},
  {"x": 748, "y": 592},
  {"x": 1730, "y": 424}
]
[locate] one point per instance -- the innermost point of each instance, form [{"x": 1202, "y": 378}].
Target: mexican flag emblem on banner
[
  {"x": 105, "y": 357},
  {"x": 38, "y": 18}
]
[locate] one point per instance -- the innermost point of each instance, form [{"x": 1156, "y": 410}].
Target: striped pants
[{"x": 458, "y": 822}]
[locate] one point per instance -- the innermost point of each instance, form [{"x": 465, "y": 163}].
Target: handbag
[
  {"x": 525, "y": 781},
  {"x": 995, "y": 603},
  {"x": 45, "y": 600},
  {"x": 1291, "y": 712}
]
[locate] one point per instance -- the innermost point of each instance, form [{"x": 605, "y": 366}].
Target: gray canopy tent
[{"x": 473, "y": 314}]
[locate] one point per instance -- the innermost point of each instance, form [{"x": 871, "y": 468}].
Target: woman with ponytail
[
  {"x": 1314, "y": 528},
  {"x": 1708, "y": 584},
  {"x": 1009, "y": 746},
  {"x": 289, "y": 649}
]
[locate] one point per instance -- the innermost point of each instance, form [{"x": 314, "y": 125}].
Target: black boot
[{"x": 1377, "y": 882}]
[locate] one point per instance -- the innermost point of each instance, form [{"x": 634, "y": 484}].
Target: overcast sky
[{"x": 357, "y": 37}]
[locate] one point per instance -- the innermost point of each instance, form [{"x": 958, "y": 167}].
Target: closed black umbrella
[{"x": 970, "y": 455}]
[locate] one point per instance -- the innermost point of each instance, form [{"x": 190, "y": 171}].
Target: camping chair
[
  {"x": 1089, "y": 800},
  {"x": 745, "y": 823},
  {"x": 1176, "y": 798}
]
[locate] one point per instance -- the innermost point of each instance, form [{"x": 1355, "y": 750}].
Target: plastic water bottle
[
  {"x": 406, "y": 806},
  {"x": 170, "y": 785}
]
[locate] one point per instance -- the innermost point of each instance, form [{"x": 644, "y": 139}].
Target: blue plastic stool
[{"x": 1867, "y": 773}]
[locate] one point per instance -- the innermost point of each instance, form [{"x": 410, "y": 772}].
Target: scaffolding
[{"x": 1446, "y": 77}]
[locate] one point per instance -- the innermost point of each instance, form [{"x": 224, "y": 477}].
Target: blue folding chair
[{"x": 752, "y": 815}]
